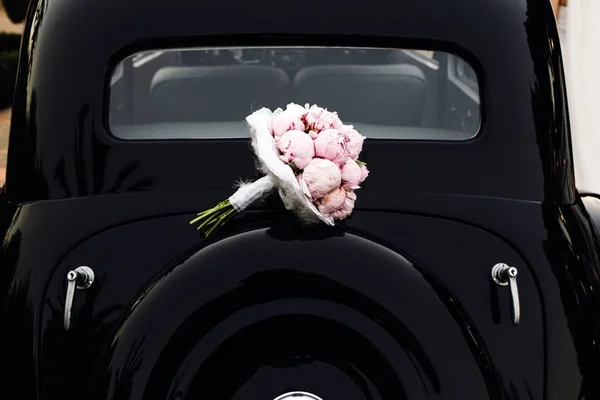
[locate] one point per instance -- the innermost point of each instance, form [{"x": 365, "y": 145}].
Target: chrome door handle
[
  {"x": 504, "y": 275},
  {"x": 81, "y": 278}
]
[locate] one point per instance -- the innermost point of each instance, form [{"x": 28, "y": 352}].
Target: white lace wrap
[{"x": 278, "y": 174}]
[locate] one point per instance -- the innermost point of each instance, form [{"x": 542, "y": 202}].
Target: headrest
[
  {"x": 380, "y": 95},
  {"x": 227, "y": 93}
]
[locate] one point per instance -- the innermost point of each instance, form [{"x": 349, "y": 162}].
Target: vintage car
[{"x": 469, "y": 268}]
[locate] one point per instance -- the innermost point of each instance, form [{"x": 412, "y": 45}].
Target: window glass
[{"x": 206, "y": 93}]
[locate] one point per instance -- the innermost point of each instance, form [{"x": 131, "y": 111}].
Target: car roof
[{"x": 73, "y": 45}]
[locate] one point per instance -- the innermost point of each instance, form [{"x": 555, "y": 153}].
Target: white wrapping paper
[
  {"x": 248, "y": 193},
  {"x": 278, "y": 174}
]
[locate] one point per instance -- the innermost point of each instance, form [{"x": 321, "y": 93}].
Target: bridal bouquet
[{"x": 309, "y": 156}]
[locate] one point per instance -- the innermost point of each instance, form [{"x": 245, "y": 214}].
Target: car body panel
[
  {"x": 67, "y": 152},
  {"x": 564, "y": 302},
  {"x": 75, "y": 195}
]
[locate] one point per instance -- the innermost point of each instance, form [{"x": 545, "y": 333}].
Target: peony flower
[
  {"x": 347, "y": 207},
  {"x": 297, "y": 110},
  {"x": 319, "y": 119},
  {"x": 313, "y": 114},
  {"x": 364, "y": 173},
  {"x": 287, "y": 120},
  {"x": 338, "y": 204},
  {"x": 321, "y": 177},
  {"x": 297, "y": 147},
  {"x": 332, "y": 202},
  {"x": 351, "y": 174},
  {"x": 329, "y": 145},
  {"x": 353, "y": 141}
]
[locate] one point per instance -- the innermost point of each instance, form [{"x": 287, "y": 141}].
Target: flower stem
[{"x": 214, "y": 218}]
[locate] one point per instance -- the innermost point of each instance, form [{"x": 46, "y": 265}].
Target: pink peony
[
  {"x": 332, "y": 202},
  {"x": 297, "y": 147},
  {"x": 353, "y": 141},
  {"x": 321, "y": 177},
  {"x": 364, "y": 173},
  {"x": 339, "y": 204},
  {"x": 297, "y": 110},
  {"x": 329, "y": 145},
  {"x": 351, "y": 174},
  {"x": 347, "y": 207},
  {"x": 313, "y": 114},
  {"x": 287, "y": 120},
  {"x": 319, "y": 119}
]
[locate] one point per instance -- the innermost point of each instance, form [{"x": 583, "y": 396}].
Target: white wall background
[{"x": 579, "y": 26}]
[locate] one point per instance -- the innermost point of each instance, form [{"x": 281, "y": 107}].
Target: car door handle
[
  {"x": 81, "y": 278},
  {"x": 504, "y": 275}
]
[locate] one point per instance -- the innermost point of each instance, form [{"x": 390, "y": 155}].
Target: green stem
[
  {"x": 204, "y": 214},
  {"x": 212, "y": 219},
  {"x": 220, "y": 221}
]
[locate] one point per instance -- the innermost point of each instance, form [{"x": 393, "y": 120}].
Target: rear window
[{"x": 207, "y": 93}]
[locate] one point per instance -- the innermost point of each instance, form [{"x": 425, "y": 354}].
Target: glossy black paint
[
  {"x": 567, "y": 294},
  {"x": 149, "y": 326},
  {"x": 63, "y": 151}
]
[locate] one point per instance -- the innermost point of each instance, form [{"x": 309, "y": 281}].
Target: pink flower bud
[
  {"x": 353, "y": 141},
  {"x": 351, "y": 174},
  {"x": 347, "y": 207},
  {"x": 321, "y": 177},
  {"x": 332, "y": 202},
  {"x": 338, "y": 204},
  {"x": 296, "y": 147},
  {"x": 329, "y": 145},
  {"x": 364, "y": 173},
  {"x": 287, "y": 120},
  {"x": 319, "y": 119},
  {"x": 297, "y": 110}
]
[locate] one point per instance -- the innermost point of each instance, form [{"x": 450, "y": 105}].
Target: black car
[{"x": 469, "y": 268}]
